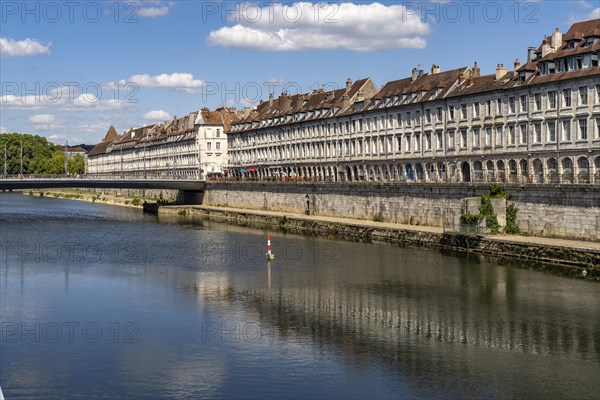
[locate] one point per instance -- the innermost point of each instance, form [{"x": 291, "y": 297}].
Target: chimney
[
  {"x": 348, "y": 85},
  {"x": 461, "y": 78},
  {"x": 476, "y": 71},
  {"x": 435, "y": 69},
  {"x": 345, "y": 102},
  {"x": 414, "y": 75},
  {"x": 270, "y": 99},
  {"x": 321, "y": 90},
  {"x": 556, "y": 40},
  {"x": 287, "y": 103},
  {"x": 517, "y": 64},
  {"x": 531, "y": 54},
  {"x": 500, "y": 71}
]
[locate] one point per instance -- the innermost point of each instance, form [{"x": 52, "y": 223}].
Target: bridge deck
[{"x": 25, "y": 184}]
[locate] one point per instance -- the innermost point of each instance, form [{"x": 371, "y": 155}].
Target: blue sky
[{"x": 71, "y": 69}]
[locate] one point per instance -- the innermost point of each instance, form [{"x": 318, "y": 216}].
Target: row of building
[{"x": 539, "y": 122}]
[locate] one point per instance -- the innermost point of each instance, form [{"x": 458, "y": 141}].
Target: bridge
[{"x": 190, "y": 191}]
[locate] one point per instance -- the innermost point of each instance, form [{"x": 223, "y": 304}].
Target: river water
[{"x": 105, "y": 302}]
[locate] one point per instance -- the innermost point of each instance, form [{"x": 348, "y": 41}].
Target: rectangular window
[
  {"x": 598, "y": 93},
  {"x": 583, "y": 129},
  {"x": 537, "y": 98},
  {"x": 218, "y": 145},
  {"x": 598, "y": 128},
  {"x": 451, "y": 113},
  {"x": 475, "y": 110},
  {"x": 551, "y": 130},
  {"x": 537, "y": 130},
  {"x": 476, "y": 137},
  {"x": 451, "y": 139},
  {"x": 524, "y": 103},
  {"x": 511, "y": 134},
  {"x": 566, "y": 131},
  {"x": 463, "y": 111},
  {"x": 488, "y": 107},
  {"x": 499, "y": 106},
  {"x": 408, "y": 120},
  {"x": 463, "y": 139},
  {"x": 499, "y": 136},
  {"x": 439, "y": 140},
  {"x": 439, "y": 113},
  {"x": 428, "y": 141},
  {"x": 218, "y": 132},
  {"x": 583, "y": 95},
  {"x": 488, "y": 137},
  {"x": 511, "y": 104},
  {"x": 552, "y": 99},
  {"x": 407, "y": 141},
  {"x": 428, "y": 115},
  {"x": 399, "y": 140},
  {"x": 567, "y": 97},
  {"x": 208, "y": 146},
  {"x": 399, "y": 120},
  {"x": 417, "y": 142},
  {"x": 523, "y": 131}
]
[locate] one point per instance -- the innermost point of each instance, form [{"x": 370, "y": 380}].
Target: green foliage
[
  {"x": 41, "y": 194},
  {"x": 126, "y": 202},
  {"x": 39, "y": 156},
  {"x": 181, "y": 212},
  {"x": 497, "y": 191},
  {"x": 378, "y": 218},
  {"x": 469, "y": 219},
  {"x": 136, "y": 201},
  {"x": 160, "y": 195},
  {"x": 487, "y": 211},
  {"x": 37, "y": 152},
  {"x": 511, "y": 220}
]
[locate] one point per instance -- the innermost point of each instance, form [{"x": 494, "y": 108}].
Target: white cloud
[
  {"x": 42, "y": 118},
  {"x": 156, "y": 115},
  {"x": 151, "y": 8},
  {"x": 593, "y": 14},
  {"x": 182, "y": 82},
  {"x": 46, "y": 122},
  {"x": 320, "y": 26},
  {"x": 584, "y": 4},
  {"x": 21, "y": 48},
  {"x": 3, "y": 129},
  {"x": 63, "y": 102},
  {"x": 152, "y": 12}
]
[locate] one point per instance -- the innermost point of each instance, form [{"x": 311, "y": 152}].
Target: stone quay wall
[{"x": 563, "y": 211}]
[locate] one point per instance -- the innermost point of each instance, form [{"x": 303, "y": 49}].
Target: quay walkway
[{"x": 577, "y": 253}]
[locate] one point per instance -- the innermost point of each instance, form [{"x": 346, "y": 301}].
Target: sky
[{"x": 71, "y": 69}]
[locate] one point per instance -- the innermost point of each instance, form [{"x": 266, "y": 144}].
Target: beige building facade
[{"x": 539, "y": 123}]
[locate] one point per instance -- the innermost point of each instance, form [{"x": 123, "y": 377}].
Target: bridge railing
[{"x": 94, "y": 177}]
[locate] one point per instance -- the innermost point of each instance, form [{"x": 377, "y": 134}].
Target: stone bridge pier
[{"x": 189, "y": 197}]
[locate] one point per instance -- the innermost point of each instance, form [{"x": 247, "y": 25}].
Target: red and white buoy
[{"x": 270, "y": 255}]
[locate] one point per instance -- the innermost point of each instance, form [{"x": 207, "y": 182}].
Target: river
[{"x": 98, "y": 301}]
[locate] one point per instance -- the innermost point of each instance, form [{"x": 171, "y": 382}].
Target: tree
[{"x": 39, "y": 155}]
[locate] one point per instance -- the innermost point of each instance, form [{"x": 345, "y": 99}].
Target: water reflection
[{"x": 340, "y": 319}]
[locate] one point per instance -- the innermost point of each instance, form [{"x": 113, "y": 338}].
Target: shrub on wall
[{"x": 511, "y": 220}]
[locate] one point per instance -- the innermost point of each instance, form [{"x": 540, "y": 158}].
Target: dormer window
[
  {"x": 589, "y": 41},
  {"x": 572, "y": 44}
]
